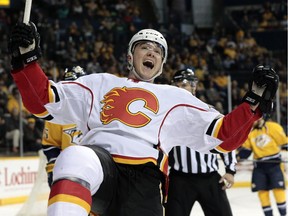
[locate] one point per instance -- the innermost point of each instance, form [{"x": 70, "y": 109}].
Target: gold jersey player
[
  {"x": 57, "y": 137},
  {"x": 129, "y": 125},
  {"x": 265, "y": 142}
]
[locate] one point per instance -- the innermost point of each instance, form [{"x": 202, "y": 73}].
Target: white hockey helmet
[{"x": 146, "y": 35}]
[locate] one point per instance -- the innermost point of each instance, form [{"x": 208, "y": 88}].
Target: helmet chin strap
[{"x": 146, "y": 80}]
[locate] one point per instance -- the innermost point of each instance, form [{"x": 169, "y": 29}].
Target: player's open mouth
[{"x": 148, "y": 64}]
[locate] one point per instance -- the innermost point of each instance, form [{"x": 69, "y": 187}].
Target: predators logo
[
  {"x": 116, "y": 106},
  {"x": 262, "y": 140},
  {"x": 74, "y": 134}
]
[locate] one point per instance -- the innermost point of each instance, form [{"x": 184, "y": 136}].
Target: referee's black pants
[{"x": 185, "y": 189}]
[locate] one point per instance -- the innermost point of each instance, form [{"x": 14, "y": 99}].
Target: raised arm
[
  {"x": 27, "y": 74},
  {"x": 234, "y": 128}
]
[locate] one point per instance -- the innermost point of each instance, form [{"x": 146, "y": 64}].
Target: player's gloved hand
[
  {"x": 24, "y": 45},
  {"x": 262, "y": 88}
]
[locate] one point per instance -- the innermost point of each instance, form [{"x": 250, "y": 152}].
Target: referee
[{"x": 194, "y": 176}]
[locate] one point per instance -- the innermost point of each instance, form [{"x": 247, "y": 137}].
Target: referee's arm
[{"x": 230, "y": 161}]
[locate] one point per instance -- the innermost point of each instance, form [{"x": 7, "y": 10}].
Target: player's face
[
  {"x": 259, "y": 123},
  {"x": 191, "y": 87},
  {"x": 147, "y": 59}
]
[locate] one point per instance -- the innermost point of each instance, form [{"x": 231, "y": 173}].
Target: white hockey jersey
[
  {"x": 135, "y": 121},
  {"x": 131, "y": 120}
]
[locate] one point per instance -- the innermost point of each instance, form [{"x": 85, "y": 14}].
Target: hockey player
[
  {"x": 265, "y": 142},
  {"x": 193, "y": 176},
  {"x": 57, "y": 137},
  {"x": 129, "y": 125}
]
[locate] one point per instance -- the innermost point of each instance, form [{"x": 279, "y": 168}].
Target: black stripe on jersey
[
  {"x": 178, "y": 151},
  {"x": 206, "y": 157},
  {"x": 211, "y": 127},
  {"x": 198, "y": 159},
  {"x": 51, "y": 151},
  {"x": 215, "y": 164},
  {"x": 48, "y": 118},
  {"x": 189, "y": 165},
  {"x": 57, "y": 98},
  {"x": 230, "y": 157}
]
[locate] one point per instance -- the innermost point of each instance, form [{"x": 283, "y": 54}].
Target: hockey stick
[
  {"x": 264, "y": 161},
  {"x": 27, "y": 11},
  {"x": 26, "y": 19}
]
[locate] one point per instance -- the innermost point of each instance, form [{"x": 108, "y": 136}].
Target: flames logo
[{"x": 116, "y": 106}]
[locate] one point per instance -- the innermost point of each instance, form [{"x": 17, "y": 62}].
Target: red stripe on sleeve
[
  {"x": 68, "y": 187},
  {"x": 33, "y": 86},
  {"x": 236, "y": 126}
]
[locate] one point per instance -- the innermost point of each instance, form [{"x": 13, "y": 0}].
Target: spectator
[
  {"x": 13, "y": 131},
  {"x": 3, "y": 96},
  {"x": 77, "y": 8},
  {"x": 14, "y": 103},
  {"x": 212, "y": 94},
  {"x": 94, "y": 67},
  {"x": 2, "y": 128},
  {"x": 31, "y": 136},
  {"x": 236, "y": 93}
]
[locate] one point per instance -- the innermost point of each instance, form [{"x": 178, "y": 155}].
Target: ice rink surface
[{"x": 242, "y": 200}]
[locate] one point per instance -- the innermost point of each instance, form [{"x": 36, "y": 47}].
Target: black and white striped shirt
[{"x": 186, "y": 160}]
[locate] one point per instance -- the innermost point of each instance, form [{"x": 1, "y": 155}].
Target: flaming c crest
[{"x": 116, "y": 106}]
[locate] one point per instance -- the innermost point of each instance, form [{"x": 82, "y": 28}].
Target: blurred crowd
[
  {"x": 94, "y": 35},
  {"x": 262, "y": 17}
]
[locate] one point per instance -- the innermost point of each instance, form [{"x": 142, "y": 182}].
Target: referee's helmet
[
  {"x": 185, "y": 75},
  {"x": 74, "y": 73}
]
